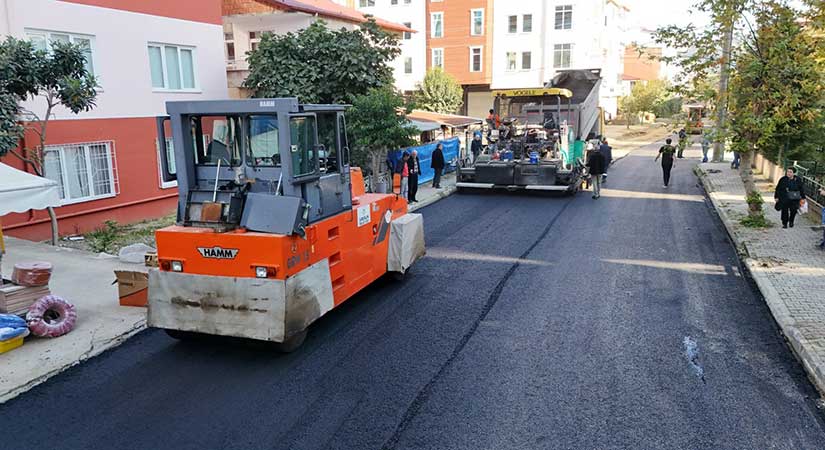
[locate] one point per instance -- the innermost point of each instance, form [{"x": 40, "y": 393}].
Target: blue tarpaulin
[{"x": 425, "y": 153}]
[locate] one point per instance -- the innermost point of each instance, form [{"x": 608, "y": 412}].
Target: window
[
  {"x": 564, "y": 17},
  {"x": 511, "y": 61},
  {"x": 512, "y": 24},
  {"x": 168, "y": 178},
  {"x": 393, "y": 2},
  {"x": 172, "y": 67},
  {"x": 438, "y": 57},
  {"x": 408, "y": 65},
  {"x": 476, "y": 22},
  {"x": 219, "y": 139},
  {"x": 437, "y": 24},
  {"x": 475, "y": 59},
  {"x": 561, "y": 55},
  {"x": 526, "y": 60},
  {"x": 365, "y": 3},
  {"x": 83, "y": 172},
  {"x": 407, "y": 34},
  {"x": 42, "y": 40},
  {"x": 302, "y": 148},
  {"x": 527, "y": 23},
  {"x": 263, "y": 141}
]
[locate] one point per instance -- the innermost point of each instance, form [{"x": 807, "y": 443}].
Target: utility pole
[{"x": 722, "y": 100}]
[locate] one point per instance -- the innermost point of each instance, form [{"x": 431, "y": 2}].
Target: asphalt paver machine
[
  {"x": 539, "y": 143},
  {"x": 274, "y": 228}
]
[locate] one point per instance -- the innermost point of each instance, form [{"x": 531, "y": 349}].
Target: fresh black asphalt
[{"x": 534, "y": 322}]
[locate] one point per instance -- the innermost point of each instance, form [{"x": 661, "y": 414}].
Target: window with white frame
[
  {"x": 561, "y": 55},
  {"x": 526, "y": 60},
  {"x": 408, "y": 64},
  {"x": 407, "y": 34},
  {"x": 476, "y": 22},
  {"x": 564, "y": 17},
  {"x": 437, "y": 24},
  {"x": 83, "y": 172},
  {"x": 172, "y": 67},
  {"x": 527, "y": 23},
  {"x": 511, "y": 61},
  {"x": 167, "y": 180},
  {"x": 365, "y": 3},
  {"x": 438, "y": 57},
  {"x": 475, "y": 59},
  {"x": 512, "y": 24},
  {"x": 42, "y": 40}
]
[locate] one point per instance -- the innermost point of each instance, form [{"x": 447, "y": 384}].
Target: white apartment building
[
  {"x": 411, "y": 65},
  {"x": 533, "y": 39}
]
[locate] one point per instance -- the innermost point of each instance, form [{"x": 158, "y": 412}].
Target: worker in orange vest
[{"x": 494, "y": 120}]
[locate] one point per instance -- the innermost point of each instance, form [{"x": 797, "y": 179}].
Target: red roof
[{"x": 332, "y": 10}]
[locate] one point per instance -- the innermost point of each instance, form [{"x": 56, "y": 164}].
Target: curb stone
[
  {"x": 444, "y": 193},
  {"x": 813, "y": 364}
]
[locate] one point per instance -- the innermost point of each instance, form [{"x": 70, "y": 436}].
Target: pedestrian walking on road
[
  {"x": 475, "y": 146},
  {"x": 705, "y": 147},
  {"x": 683, "y": 143},
  {"x": 414, "y": 166},
  {"x": 666, "y": 153},
  {"x": 789, "y": 192},
  {"x": 596, "y": 166},
  {"x": 437, "y": 164},
  {"x": 607, "y": 152},
  {"x": 402, "y": 169}
]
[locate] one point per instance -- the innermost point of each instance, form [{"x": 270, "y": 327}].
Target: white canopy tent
[{"x": 21, "y": 191}]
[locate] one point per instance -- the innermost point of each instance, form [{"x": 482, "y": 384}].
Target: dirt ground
[{"x": 111, "y": 236}]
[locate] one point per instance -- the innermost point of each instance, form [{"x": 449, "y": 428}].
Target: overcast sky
[{"x": 652, "y": 14}]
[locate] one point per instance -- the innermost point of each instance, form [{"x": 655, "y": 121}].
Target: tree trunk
[
  {"x": 746, "y": 174},
  {"x": 722, "y": 103},
  {"x": 53, "y": 218}
]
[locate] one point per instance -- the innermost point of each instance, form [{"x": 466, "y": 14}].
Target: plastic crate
[{"x": 11, "y": 344}]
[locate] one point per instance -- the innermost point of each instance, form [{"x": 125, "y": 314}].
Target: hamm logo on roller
[{"x": 218, "y": 252}]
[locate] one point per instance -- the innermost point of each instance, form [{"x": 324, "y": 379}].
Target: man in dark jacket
[
  {"x": 788, "y": 194},
  {"x": 596, "y": 167},
  {"x": 475, "y": 146},
  {"x": 607, "y": 152},
  {"x": 437, "y": 164},
  {"x": 666, "y": 153},
  {"x": 414, "y": 166}
]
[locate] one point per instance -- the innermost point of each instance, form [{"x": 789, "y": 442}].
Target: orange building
[
  {"x": 460, "y": 40},
  {"x": 642, "y": 67}
]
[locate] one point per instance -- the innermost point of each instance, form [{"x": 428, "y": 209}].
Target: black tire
[
  {"x": 292, "y": 343},
  {"x": 398, "y": 276}
]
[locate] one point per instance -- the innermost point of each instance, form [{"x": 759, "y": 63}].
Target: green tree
[
  {"x": 643, "y": 98},
  {"x": 705, "y": 53},
  {"x": 59, "y": 77},
  {"x": 320, "y": 65},
  {"x": 777, "y": 89},
  {"x": 377, "y": 123},
  {"x": 439, "y": 92}
]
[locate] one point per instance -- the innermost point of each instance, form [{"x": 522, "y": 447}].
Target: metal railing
[{"x": 812, "y": 174}]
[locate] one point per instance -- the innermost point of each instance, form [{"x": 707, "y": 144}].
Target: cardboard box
[{"x": 132, "y": 287}]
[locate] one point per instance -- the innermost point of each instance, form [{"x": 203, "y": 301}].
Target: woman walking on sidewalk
[
  {"x": 788, "y": 194},
  {"x": 666, "y": 153}
]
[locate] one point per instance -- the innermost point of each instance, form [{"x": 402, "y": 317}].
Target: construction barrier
[{"x": 425, "y": 153}]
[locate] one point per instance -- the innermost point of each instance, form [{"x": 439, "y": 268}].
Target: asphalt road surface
[{"x": 534, "y": 322}]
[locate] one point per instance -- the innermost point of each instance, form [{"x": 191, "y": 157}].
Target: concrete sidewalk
[
  {"x": 786, "y": 264},
  {"x": 85, "y": 280}
]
